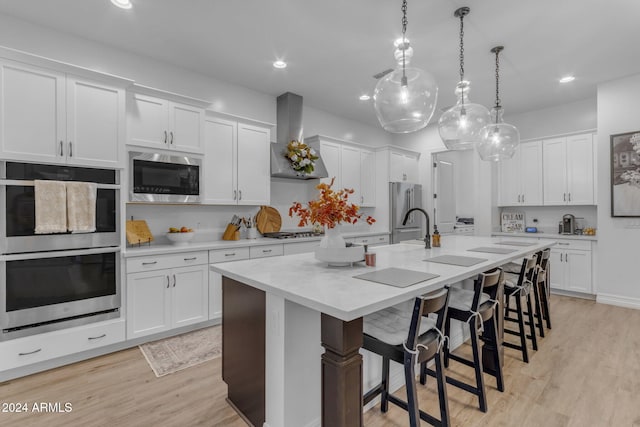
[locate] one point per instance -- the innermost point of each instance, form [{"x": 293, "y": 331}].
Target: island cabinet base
[
  {"x": 341, "y": 372},
  {"x": 243, "y": 349}
]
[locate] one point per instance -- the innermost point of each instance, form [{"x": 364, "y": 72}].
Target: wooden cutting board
[
  {"x": 138, "y": 232},
  {"x": 268, "y": 220}
]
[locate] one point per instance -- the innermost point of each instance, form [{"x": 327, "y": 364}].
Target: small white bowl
[{"x": 180, "y": 238}]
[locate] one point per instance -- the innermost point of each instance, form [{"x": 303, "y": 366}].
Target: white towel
[
  {"x": 51, "y": 207},
  {"x": 81, "y": 207}
]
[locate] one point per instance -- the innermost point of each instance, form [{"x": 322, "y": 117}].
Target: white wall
[{"x": 618, "y": 256}]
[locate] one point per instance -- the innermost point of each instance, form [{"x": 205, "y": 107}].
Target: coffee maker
[{"x": 568, "y": 224}]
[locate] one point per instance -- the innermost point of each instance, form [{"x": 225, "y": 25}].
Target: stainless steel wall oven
[{"x": 55, "y": 281}]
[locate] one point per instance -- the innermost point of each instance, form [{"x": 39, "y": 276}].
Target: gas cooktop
[{"x": 291, "y": 234}]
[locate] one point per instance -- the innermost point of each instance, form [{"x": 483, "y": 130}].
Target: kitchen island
[{"x": 277, "y": 312}]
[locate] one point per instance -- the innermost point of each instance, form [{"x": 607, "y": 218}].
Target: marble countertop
[
  {"x": 333, "y": 290},
  {"x": 543, "y": 235},
  {"x": 167, "y": 248}
]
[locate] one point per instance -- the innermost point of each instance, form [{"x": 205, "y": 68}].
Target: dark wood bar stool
[
  {"x": 409, "y": 337},
  {"x": 543, "y": 286},
  {"x": 478, "y": 309},
  {"x": 517, "y": 287}
]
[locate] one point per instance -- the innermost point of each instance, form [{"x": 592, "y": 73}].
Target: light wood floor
[{"x": 586, "y": 373}]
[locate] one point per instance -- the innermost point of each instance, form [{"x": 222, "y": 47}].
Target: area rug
[{"x": 183, "y": 351}]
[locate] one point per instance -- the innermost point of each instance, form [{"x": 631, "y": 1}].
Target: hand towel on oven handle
[
  {"x": 81, "y": 206},
  {"x": 51, "y": 206}
]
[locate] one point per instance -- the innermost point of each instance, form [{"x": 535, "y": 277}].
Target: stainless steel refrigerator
[{"x": 402, "y": 197}]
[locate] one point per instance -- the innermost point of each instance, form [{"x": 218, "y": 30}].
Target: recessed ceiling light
[
  {"x": 123, "y": 4},
  {"x": 279, "y": 64},
  {"x": 365, "y": 97},
  {"x": 567, "y": 79}
]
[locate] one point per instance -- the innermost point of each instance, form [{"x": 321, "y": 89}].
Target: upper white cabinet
[
  {"x": 520, "y": 178},
  {"x": 57, "y": 117},
  {"x": 569, "y": 170},
  {"x": 403, "y": 166},
  {"x": 353, "y": 166},
  {"x": 160, "y": 123},
  {"x": 237, "y": 169}
]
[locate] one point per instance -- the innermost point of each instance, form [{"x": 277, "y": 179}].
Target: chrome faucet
[{"x": 427, "y": 238}]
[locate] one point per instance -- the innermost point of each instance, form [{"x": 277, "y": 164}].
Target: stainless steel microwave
[{"x": 157, "y": 177}]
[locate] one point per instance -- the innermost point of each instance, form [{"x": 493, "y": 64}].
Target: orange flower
[{"x": 329, "y": 209}]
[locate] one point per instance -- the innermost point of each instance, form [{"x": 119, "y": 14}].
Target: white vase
[{"x": 332, "y": 238}]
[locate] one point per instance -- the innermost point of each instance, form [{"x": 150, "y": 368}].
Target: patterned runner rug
[{"x": 182, "y": 351}]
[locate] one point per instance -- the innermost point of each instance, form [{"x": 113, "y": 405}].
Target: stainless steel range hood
[{"x": 289, "y": 124}]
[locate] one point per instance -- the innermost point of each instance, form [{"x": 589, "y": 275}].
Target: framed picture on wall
[{"x": 625, "y": 174}]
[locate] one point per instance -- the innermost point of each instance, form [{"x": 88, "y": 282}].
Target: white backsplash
[{"x": 549, "y": 216}]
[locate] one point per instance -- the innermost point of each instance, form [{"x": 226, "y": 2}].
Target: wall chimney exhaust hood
[{"x": 289, "y": 127}]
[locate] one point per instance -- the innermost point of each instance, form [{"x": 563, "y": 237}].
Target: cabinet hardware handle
[
  {"x": 569, "y": 196},
  {"x": 191, "y": 259},
  {"x": 563, "y": 244},
  {"x": 150, "y": 263},
  {"x": 362, "y": 199},
  {"x": 523, "y": 198},
  {"x": 174, "y": 280},
  {"x": 566, "y": 257},
  {"x": 365, "y": 240},
  {"x": 70, "y": 149},
  {"x": 171, "y": 133},
  {"x": 239, "y": 194},
  {"x": 564, "y": 197},
  {"x": 165, "y": 136},
  {"x": 266, "y": 251},
  {"x": 61, "y": 149},
  {"x": 169, "y": 280},
  {"x": 30, "y": 352},
  {"x": 235, "y": 194},
  {"x": 518, "y": 198},
  {"x": 98, "y": 337},
  {"x": 231, "y": 254}
]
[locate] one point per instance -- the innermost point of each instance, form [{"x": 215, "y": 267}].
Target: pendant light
[
  {"x": 498, "y": 140},
  {"x": 405, "y": 99},
  {"x": 460, "y": 125}
]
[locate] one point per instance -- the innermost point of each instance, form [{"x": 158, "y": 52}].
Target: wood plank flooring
[{"x": 586, "y": 373}]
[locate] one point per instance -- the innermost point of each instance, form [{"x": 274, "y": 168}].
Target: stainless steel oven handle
[
  {"x": 30, "y": 352},
  {"x": 97, "y": 338}
]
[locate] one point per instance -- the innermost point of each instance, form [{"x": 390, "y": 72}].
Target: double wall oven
[{"x": 53, "y": 281}]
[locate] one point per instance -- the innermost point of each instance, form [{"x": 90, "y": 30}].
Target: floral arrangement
[
  {"x": 301, "y": 156},
  {"x": 330, "y": 208}
]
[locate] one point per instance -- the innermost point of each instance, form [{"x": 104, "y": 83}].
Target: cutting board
[
  {"x": 138, "y": 232},
  {"x": 268, "y": 220}
]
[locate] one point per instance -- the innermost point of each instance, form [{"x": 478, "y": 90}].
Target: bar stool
[
  {"x": 543, "y": 285},
  {"x": 409, "y": 337},
  {"x": 477, "y": 308},
  {"x": 521, "y": 286}
]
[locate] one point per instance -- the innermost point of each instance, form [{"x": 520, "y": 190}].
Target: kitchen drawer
[
  {"x": 292, "y": 248},
  {"x": 149, "y": 263},
  {"x": 372, "y": 240},
  {"x": 223, "y": 255},
  {"x": 50, "y": 345},
  {"x": 265, "y": 251},
  {"x": 581, "y": 245}
]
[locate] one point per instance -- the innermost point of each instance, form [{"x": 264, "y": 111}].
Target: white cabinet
[
  {"x": 353, "y": 167},
  {"x": 159, "y": 123},
  {"x": 215, "y": 279},
  {"x": 571, "y": 266},
  {"x": 55, "y": 117},
  {"x": 237, "y": 168},
  {"x": 569, "y": 170},
  {"x": 520, "y": 178},
  {"x": 403, "y": 167},
  {"x": 166, "y": 292}
]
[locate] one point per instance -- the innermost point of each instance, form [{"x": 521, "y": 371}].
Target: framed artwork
[{"x": 625, "y": 174}]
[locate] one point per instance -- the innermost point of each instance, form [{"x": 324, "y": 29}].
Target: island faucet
[{"x": 427, "y": 238}]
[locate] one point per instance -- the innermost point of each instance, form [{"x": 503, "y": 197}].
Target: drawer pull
[
  {"x": 564, "y": 244},
  {"x": 168, "y": 281},
  {"x": 174, "y": 280},
  {"x": 191, "y": 259},
  {"x": 97, "y": 338},
  {"x": 31, "y": 352},
  {"x": 266, "y": 251},
  {"x": 149, "y": 263},
  {"x": 231, "y": 254},
  {"x": 365, "y": 240}
]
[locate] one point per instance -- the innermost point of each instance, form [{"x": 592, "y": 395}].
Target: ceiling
[{"x": 333, "y": 47}]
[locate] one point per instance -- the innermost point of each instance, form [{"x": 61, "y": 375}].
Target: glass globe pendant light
[
  {"x": 498, "y": 140},
  {"x": 405, "y": 99},
  {"x": 460, "y": 125}
]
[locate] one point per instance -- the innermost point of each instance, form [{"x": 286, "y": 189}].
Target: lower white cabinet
[
  {"x": 38, "y": 348},
  {"x": 160, "y": 299},
  {"x": 571, "y": 266}
]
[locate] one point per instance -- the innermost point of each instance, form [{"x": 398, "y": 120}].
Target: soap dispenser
[{"x": 435, "y": 238}]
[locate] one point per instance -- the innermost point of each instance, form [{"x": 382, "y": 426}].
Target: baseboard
[
  {"x": 573, "y": 294},
  {"x": 618, "y": 301}
]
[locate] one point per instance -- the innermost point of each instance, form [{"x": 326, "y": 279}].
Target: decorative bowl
[
  {"x": 340, "y": 257},
  {"x": 180, "y": 238}
]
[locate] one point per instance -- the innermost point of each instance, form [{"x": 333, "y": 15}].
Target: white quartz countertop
[
  {"x": 158, "y": 249},
  {"x": 333, "y": 290},
  {"x": 543, "y": 235}
]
